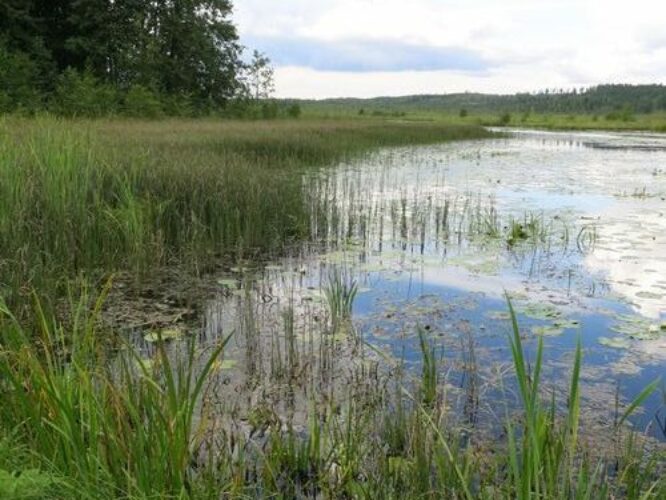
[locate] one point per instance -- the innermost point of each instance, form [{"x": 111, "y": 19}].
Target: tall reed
[{"x": 103, "y": 421}]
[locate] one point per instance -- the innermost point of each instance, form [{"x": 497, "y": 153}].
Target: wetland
[{"x": 332, "y": 309}]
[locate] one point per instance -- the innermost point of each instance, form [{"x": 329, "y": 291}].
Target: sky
[{"x": 366, "y": 48}]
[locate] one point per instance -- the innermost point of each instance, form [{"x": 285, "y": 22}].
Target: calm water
[{"x": 571, "y": 226}]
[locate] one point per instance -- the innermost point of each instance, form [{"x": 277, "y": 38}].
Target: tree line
[
  {"x": 137, "y": 57},
  {"x": 603, "y": 99}
]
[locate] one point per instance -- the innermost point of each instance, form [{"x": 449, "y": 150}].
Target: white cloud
[{"x": 524, "y": 44}]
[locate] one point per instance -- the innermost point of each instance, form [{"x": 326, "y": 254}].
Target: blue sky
[{"x": 362, "y": 48}]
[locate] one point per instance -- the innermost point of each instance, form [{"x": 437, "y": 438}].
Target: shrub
[
  {"x": 463, "y": 113},
  {"x": 140, "y": 101},
  {"x": 18, "y": 75},
  {"x": 178, "y": 105},
  {"x": 505, "y": 119},
  {"x": 625, "y": 114},
  {"x": 294, "y": 111},
  {"x": 269, "y": 110},
  {"x": 81, "y": 94}
]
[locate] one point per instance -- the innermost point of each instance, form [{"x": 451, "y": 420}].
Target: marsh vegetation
[{"x": 316, "y": 309}]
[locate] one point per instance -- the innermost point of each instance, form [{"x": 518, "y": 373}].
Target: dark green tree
[{"x": 184, "y": 51}]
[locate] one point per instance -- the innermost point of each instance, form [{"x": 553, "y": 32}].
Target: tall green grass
[
  {"x": 102, "y": 423},
  {"x": 86, "y": 417},
  {"x": 100, "y": 196}
]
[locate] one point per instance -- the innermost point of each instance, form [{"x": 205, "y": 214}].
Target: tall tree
[
  {"x": 199, "y": 48},
  {"x": 260, "y": 77},
  {"x": 174, "y": 47}
]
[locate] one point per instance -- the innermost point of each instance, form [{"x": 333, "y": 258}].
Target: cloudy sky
[{"x": 362, "y": 48}]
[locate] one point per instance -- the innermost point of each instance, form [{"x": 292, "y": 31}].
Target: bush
[
  {"x": 269, "y": 110},
  {"x": 505, "y": 119},
  {"x": 178, "y": 105},
  {"x": 294, "y": 111},
  {"x": 142, "y": 102},
  {"x": 18, "y": 74},
  {"x": 625, "y": 114},
  {"x": 463, "y": 113},
  {"x": 81, "y": 94}
]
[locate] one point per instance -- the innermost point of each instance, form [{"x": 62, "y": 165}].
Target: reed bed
[{"x": 94, "y": 197}]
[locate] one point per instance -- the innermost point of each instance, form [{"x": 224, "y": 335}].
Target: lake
[{"x": 570, "y": 226}]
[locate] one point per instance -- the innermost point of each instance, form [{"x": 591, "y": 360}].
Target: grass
[
  {"x": 653, "y": 122},
  {"x": 86, "y": 414},
  {"x": 101, "y": 428},
  {"x": 80, "y": 420},
  {"x": 94, "y": 197},
  {"x": 340, "y": 295}
]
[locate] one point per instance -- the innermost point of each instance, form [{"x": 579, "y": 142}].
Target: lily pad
[
  {"x": 547, "y": 330},
  {"x": 540, "y": 311},
  {"x": 615, "y": 342},
  {"x": 567, "y": 324},
  {"x": 224, "y": 364},
  {"x": 165, "y": 334},
  {"x": 638, "y": 328},
  {"x": 373, "y": 267},
  {"x": 649, "y": 295},
  {"x": 498, "y": 315}
]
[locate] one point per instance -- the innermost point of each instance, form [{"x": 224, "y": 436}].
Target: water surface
[{"x": 571, "y": 226}]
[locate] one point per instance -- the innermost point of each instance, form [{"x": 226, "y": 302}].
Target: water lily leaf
[
  {"x": 540, "y": 311},
  {"x": 498, "y": 315},
  {"x": 224, "y": 364},
  {"x": 373, "y": 267},
  {"x": 547, "y": 330},
  {"x": 649, "y": 295},
  {"x": 638, "y": 328},
  {"x": 567, "y": 324},
  {"x": 615, "y": 342},
  {"x": 166, "y": 334}
]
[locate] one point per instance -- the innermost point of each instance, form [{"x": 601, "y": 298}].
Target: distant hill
[{"x": 594, "y": 100}]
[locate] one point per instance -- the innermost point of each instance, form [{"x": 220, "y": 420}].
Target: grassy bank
[
  {"x": 94, "y": 197},
  {"x": 651, "y": 122}
]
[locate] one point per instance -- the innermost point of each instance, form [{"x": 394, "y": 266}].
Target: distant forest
[
  {"x": 134, "y": 57},
  {"x": 595, "y": 100}
]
